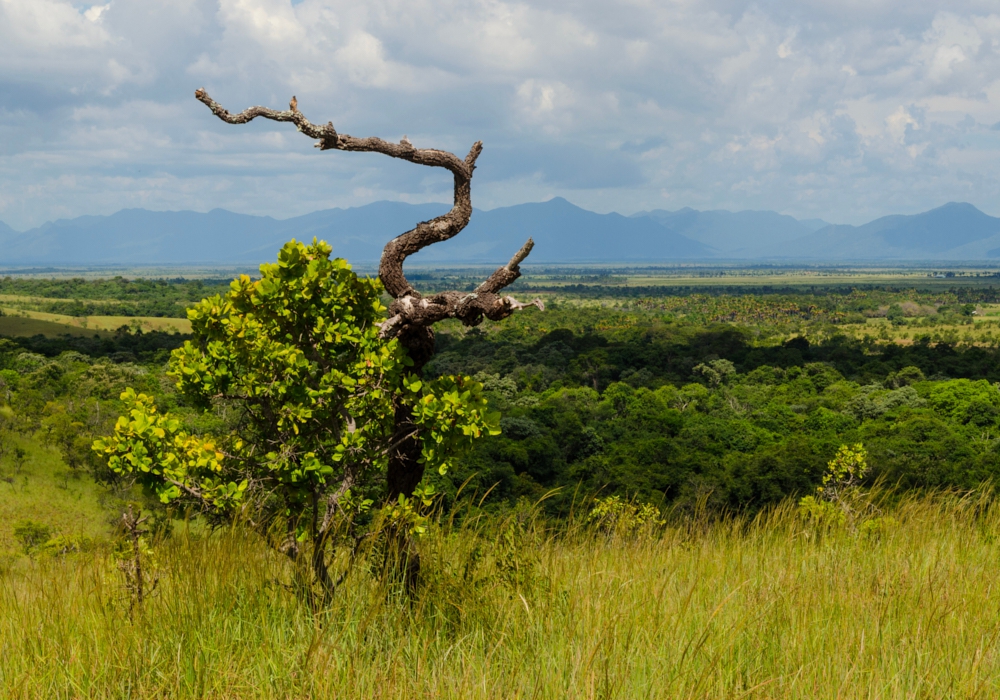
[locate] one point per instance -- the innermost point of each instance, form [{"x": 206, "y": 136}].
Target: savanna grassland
[
  {"x": 755, "y": 608},
  {"x": 634, "y": 531}
]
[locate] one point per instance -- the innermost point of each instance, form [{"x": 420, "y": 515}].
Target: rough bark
[{"x": 411, "y": 315}]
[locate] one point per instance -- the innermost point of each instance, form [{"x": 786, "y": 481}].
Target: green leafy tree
[
  {"x": 31, "y": 534},
  {"x": 67, "y": 434},
  {"x": 296, "y": 360},
  {"x": 411, "y": 316},
  {"x": 841, "y": 501}
]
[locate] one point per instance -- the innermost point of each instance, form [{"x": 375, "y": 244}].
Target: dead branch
[{"x": 411, "y": 312}]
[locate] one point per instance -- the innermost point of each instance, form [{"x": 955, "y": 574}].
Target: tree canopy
[{"x": 302, "y": 390}]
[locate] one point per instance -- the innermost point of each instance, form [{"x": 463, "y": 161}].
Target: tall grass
[{"x": 761, "y": 608}]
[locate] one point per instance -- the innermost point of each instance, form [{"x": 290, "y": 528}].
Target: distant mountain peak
[
  {"x": 955, "y": 206},
  {"x": 558, "y": 203},
  {"x": 563, "y": 232}
]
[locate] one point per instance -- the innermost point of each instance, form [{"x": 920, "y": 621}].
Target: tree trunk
[{"x": 405, "y": 470}]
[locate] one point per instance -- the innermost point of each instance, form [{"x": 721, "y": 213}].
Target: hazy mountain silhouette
[
  {"x": 736, "y": 234},
  {"x": 955, "y": 231},
  {"x": 814, "y": 224},
  {"x": 562, "y": 232}
]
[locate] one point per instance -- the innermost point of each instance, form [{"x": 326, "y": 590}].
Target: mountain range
[{"x": 563, "y": 233}]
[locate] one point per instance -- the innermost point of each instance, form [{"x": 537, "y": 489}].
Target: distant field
[
  {"x": 757, "y": 278},
  {"x": 554, "y": 278},
  {"x": 19, "y": 322},
  {"x": 692, "y": 274},
  {"x": 807, "y": 279},
  {"x": 151, "y": 272},
  {"x": 753, "y": 296},
  {"x": 26, "y": 326}
]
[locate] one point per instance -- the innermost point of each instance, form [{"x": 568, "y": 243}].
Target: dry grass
[
  {"x": 89, "y": 324},
  {"x": 983, "y": 331},
  {"x": 24, "y": 326},
  {"x": 762, "y": 609}
]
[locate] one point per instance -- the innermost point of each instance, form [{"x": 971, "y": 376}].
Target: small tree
[
  {"x": 19, "y": 456},
  {"x": 66, "y": 434},
  {"x": 136, "y": 559},
  {"x": 31, "y": 534},
  {"x": 298, "y": 361},
  {"x": 842, "y": 501},
  {"x": 411, "y": 315}
]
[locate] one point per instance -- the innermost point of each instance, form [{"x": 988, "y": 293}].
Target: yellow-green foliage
[
  {"x": 746, "y": 609},
  {"x": 841, "y": 501},
  {"x": 615, "y": 516}
]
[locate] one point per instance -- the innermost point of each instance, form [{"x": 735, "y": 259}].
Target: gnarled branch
[{"x": 411, "y": 311}]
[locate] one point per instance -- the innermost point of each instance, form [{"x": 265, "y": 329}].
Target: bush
[
  {"x": 614, "y": 516},
  {"x": 841, "y": 501},
  {"x": 31, "y": 535},
  {"x": 66, "y": 544}
]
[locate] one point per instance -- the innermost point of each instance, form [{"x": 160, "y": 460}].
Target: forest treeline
[
  {"x": 680, "y": 413},
  {"x": 600, "y": 401},
  {"x": 116, "y": 296}
]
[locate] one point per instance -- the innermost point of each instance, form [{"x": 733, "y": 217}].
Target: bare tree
[{"x": 411, "y": 315}]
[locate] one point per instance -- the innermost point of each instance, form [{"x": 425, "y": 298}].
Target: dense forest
[
  {"x": 734, "y": 401},
  {"x": 680, "y": 412}
]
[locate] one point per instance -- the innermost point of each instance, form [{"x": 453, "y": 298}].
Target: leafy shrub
[
  {"x": 905, "y": 377},
  {"x": 614, "y": 516},
  {"x": 31, "y": 534},
  {"x": 66, "y": 544},
  {"x": 874, "y": 401},
  {"x": 515, "y": 546},
  {"x": 841, "y": 501}
]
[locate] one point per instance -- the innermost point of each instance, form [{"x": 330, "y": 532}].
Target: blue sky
[{"x": 843, "y": 110}]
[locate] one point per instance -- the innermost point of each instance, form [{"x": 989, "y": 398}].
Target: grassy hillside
[
  {"x": 33, "y": 322},
  {"x": 26, "y": 326},
  {"x": 761, "y": 609},
  {"x": 46, "y": 491}
]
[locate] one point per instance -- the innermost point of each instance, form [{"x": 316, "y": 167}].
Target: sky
[{"x": 843, "y": 110}]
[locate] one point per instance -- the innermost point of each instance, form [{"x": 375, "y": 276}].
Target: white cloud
[
  {"x": 94, "y": 12},
  {"x": 899, "y": 122},
  {"x": 845, "y": 110}
]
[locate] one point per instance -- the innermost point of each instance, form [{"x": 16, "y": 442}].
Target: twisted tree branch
[{"x": 411, "y": 311}]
